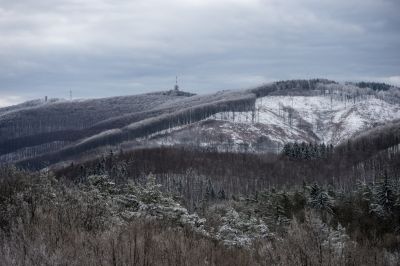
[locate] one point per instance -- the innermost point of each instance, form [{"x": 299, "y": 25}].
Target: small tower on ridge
[{"x": 176, "y": 87}]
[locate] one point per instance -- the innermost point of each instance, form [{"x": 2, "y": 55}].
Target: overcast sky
[{"x": 116, "y": 47}]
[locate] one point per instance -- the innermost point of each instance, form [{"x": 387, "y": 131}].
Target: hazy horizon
[{"x": 103, "y": 48}]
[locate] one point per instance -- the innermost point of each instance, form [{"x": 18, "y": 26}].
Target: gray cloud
[{"x": 103, "y": 47}]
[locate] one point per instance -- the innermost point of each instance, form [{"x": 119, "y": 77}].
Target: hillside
[
  {"x": 281, "y": 119},
  {"x": 261, "y": 119},
  {"x": 39, "y": 117},
  {"x": 27, "y": 130}
]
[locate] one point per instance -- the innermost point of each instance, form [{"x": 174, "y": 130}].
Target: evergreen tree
[
  {"x": 320, "y": 201},
  {"x": 151, "y": 192},
  {"x": 287, "y": 149},
  {"x": 210, "y": 192},
  {"x": 221, "y": 194},
  {"x": 384, "y": 198}
]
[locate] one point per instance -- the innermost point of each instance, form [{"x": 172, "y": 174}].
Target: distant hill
[
  {"x": 260, "y": 119},
  {"x": 26, "y": 105}
]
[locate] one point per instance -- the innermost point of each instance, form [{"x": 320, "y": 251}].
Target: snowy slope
[
  {"x": 281, "y": 119},
  {"x": 317, "y": 117}
]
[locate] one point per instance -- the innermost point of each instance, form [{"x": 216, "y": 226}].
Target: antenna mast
[
  {"x": 70, "y": 95},
  {"x": 176, "y": 84}
]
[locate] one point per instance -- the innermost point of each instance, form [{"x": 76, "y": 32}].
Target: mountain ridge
[{"x": 141, "y": 119}]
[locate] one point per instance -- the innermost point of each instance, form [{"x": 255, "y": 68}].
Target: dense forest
[{"x": 185, "y": 207}]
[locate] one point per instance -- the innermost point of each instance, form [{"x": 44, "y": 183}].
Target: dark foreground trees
[{"x": 49, "y": 221}]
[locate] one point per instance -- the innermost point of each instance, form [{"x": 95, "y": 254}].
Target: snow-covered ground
[{"x": 301, "y": 118}]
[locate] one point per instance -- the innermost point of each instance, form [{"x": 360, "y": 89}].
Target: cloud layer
[{"x": 110, "y": 47}]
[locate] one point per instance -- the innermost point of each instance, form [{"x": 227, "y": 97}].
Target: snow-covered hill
[
  {"x": 27, "y": 105},
  {"x": 260, "y": 119},
  {"x": 319, "y": 117},
  {"x": 280, "y": 119}
]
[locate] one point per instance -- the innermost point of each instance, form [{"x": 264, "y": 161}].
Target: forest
[{"x": 147, "y": 209}]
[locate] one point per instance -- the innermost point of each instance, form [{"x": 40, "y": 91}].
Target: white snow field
[{"x": 316, "y": 118}]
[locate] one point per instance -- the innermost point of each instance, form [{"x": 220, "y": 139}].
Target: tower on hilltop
[{"x": 176, "y": 87}]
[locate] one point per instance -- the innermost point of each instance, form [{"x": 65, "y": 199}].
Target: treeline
[
  {"x": 348, "y": 92},
  {"x": 307, "y": 151},
  {"x": 288, "y": 86},
  {"x": 311, "y": 84},
  {"x": 376, "y": 86}
]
